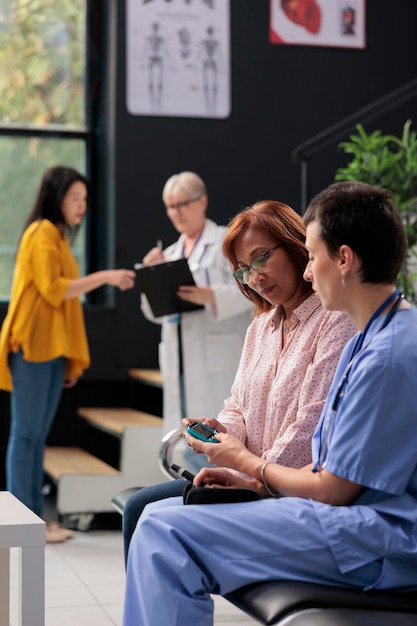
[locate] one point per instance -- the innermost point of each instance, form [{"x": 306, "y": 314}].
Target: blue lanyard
[
  {"x": 359, "y": 343},
  {"x": 398, "y": 297},
  {"x": 194, "y": 246}
]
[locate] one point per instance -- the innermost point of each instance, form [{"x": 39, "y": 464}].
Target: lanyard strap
[
  {"x": 359, "y": 343},
  {"x": 398, "y": 297},
  {"x": 194, "y": 246}
]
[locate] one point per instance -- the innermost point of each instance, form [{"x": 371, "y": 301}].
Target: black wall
[{"x": 281, "y": 96}]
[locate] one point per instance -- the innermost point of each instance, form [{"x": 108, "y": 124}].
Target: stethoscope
[{"x": 398, "y": 297}]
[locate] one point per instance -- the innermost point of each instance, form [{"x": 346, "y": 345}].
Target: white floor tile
[
  {"x": 69, "y": 597},
  {"x": 96, "y": 557},
  {"x": 115, "y": 612},
  {"x": 60, "y": 574},
  {"x": 78, "y": 616},
  {"x": 85, "y": 584},
  {"x": 98, "y": 570},
  {"x": 108, "y": 594}
]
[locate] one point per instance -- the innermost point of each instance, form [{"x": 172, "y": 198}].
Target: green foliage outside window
[
  {"x": 390, "y": 162},
  {"x": 42, "y": 85},
  {"x": 42, "y": 62}
]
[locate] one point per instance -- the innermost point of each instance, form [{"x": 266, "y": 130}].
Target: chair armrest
[
  {"x": 119, "y": 500},
  {"x": 166, "y": 451},
  {"x": 165, "y": 460}
]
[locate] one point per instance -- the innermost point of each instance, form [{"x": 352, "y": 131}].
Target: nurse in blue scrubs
[{"x": 347, "y": 519}]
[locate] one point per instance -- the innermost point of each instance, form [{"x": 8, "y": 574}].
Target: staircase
[{"x": 86, "y": 484}]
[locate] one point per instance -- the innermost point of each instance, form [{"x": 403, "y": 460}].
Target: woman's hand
[
  {"x": 123, "y": 279},
  {"x": 155, "y": 255},
  {"x": 197, "y": 295},
  {"x": 69, "y": 382},
  {"x": 229, "y": 452},
  {"x": 221, "y": 477},
  {"x": 210, "y": 421}
]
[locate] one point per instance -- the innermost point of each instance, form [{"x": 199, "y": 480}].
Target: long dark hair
[{"x": 54, "y": 185}]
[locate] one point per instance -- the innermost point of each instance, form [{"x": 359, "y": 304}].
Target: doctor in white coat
[{"x": 200, "y": 350}]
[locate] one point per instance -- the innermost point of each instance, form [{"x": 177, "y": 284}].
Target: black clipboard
[{"x": 160, "y": 282}]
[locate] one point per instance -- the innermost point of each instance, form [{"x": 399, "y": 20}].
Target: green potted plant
[{"x": 390, "y": 162}]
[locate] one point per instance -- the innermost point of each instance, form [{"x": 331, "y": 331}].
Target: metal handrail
[{"x": 334, "y": 133}]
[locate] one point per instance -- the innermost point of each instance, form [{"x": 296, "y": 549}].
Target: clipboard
[{"x": 160, "y": 282}]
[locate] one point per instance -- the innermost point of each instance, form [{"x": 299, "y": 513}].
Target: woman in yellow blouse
[{"x": 43, "y": 343}]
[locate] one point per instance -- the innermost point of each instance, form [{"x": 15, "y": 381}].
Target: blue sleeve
[{"x": 373, "y": 438}]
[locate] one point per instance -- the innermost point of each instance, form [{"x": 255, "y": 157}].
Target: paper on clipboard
[{"x": 160, "y": 283}]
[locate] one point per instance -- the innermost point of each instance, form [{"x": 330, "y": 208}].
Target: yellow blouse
[{"x": 40, "y": 321}]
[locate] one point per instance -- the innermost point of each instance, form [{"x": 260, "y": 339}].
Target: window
[{"x": 43, "y": 118}]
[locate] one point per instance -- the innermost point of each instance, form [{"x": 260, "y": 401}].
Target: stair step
[
  {"x": 115, "y": 420},
  {"x": 147, "y": 376},
  {"x": 59, "y": 461}
]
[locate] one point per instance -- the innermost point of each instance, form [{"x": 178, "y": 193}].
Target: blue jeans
[
  {"x": 37, "y": 389},
  {"x": 137, "y": 502}
]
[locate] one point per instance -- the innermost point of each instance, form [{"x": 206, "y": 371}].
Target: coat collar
[{"x": 209, "y": 236}]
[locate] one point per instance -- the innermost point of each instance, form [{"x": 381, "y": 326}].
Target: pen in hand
[{"x": 155, "y": 255}]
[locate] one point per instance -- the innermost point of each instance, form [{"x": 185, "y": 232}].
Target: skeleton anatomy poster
[
  {"x": 335, "y": 23},
  {"x": 178, "y": 58}
]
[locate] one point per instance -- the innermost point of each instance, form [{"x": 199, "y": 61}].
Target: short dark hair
[
  {"x": 364, "y": 218},
  {"x": 282, "y": 224},
  {"x": 54, "y": 185}
]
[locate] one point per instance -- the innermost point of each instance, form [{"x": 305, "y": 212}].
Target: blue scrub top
[{"x": 372, "y": 441}]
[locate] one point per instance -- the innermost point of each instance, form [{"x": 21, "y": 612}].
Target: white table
[{"x": 21, "y": 528}]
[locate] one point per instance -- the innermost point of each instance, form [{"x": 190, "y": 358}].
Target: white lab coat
[{"x": 211, "y": 346}]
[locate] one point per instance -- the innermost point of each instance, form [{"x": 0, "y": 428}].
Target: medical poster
[
  {"x": 178, "y": 58},
  {"x": 333, "y": 23}
]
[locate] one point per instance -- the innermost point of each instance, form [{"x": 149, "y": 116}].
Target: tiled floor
[{"x": 85, "y": 583}]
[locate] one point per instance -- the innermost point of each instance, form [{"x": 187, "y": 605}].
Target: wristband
[{"x": 273, "y": 494}]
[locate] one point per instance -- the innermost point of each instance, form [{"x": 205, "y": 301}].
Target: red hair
[{"x": 279, "y": 222}]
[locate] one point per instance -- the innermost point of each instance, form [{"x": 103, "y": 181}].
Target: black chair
[
  {"x": 287, "y": 603},
  {"x": 307, "y": 604}
]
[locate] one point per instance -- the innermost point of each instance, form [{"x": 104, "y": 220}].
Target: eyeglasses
[
  {"x": 259, "y": 264},
  {"x": 181, "y": 205}
]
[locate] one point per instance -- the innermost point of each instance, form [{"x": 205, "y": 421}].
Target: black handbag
[{"x": 211, "y": 495}]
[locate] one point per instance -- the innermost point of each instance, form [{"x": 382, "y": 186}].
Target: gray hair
[{"x": 188, "y": 182}]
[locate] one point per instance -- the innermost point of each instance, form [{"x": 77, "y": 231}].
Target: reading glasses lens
[
  {"x": 259, "y": 263},
  {"x": 181, "y": 205}
]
